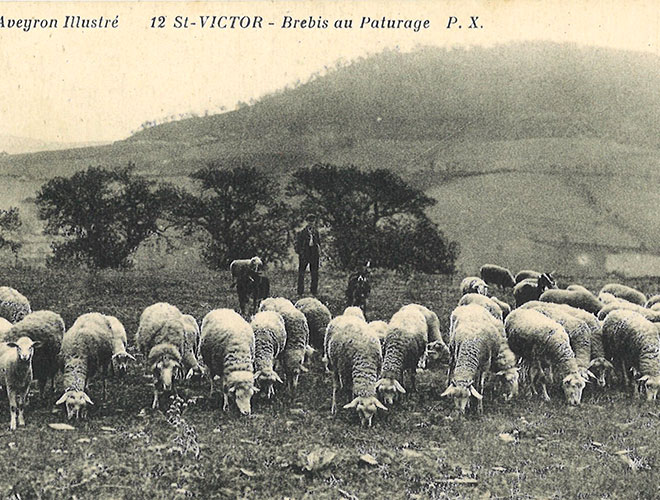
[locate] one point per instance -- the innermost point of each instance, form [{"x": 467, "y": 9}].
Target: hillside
[
  {"x": 11, "y": 145},
  {"x": 537, "y": 153}
]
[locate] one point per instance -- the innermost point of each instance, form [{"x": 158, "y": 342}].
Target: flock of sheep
[{"x": 552, "y": 337}]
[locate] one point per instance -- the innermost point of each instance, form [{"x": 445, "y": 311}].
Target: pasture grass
[{"x": 421, "y": 449}]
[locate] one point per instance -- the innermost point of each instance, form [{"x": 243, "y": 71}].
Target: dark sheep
[
  {"x": 359, "y": 288},
  {"x": 497, "y": 275}
]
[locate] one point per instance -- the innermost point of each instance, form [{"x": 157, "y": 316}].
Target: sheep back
[
  {"x": 576, "y": 298},
  {"x": 227, "y": 344},
  {"x": 14, "y": 306},
  {"x": 625, "y": 292},
  {"x": 405, "y": 343},
  {"x": 318, "y": 316},
  {"x": 497, "y": 275}
]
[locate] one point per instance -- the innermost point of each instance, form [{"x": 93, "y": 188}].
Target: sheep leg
[
  {"x": 624, "y": 375},
  {"x": 225, "y": 404},
  {"x": 42, "y": 388},
  {"x": 544, "y": 391},
  {"x": 335, "y": 386},
  {"x": 413, "y": 384},
  {"x": 13, "y": 410},
  {"x": 20, "y": 400},
  {"x": 154, "y": 404}
]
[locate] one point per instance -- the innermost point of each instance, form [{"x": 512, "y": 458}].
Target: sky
[{"x": 79, "y": 85}]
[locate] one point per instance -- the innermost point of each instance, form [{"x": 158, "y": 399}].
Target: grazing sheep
[
  {"x": 270, "y": 339},
  {"x": 228, "y": 350},
  {"x": 531, "y": 289},
  {"x": 474, "y": 284},
  {"x": 318, "y": 316},
  {"x": 359, "y": 288},
  {"x": 297, "y": 337},
  {"x": 650, "y": 314},
  {"x": 405, "y": 344},
  {"x": 526, "y": 274},
  {"x": 474, "y": 344},
  {"x": 13, "y": 305},
  {"x": 625, "y": 292},
  {"x": 631, "y": 341},
  {"x": 582, "y": 299},
  {"x": 16, "y": 375},
  {"x": 379, "y": 329},
  {"x": 250, "y": 282},
  {"x": 355, "y": 356},
  {"x": 120, "y": 356},
  {"x": 486, "y": 302},
  {"x": 653, "y": 300},
  {"x": 578, "y": 330},
  {"x": 86, "y": 349},
  {"x": 542, "y": 342},
  {"x": 437, "y": 344},
  {"x": 607, "y": 298},
  {"x": 160, "y": 338},
  {"x": 46, "y": 329},
  {"x": 192, "y": 338},
  {"x": 506, "y": 308},
  {"x": 497, "y": 275}
]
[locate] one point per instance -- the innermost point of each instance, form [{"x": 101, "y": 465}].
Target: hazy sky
[{"x": 95, "y": 85}]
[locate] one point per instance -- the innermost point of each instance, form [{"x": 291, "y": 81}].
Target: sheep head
[
  {"x": 437, "y": 352},
  {"x": 461, "y": 395},
  {"x": 165, "y": 371},
  {"x": 389, "y": 389},
  {"x": 256, "y": 264},
  {"x": 601, "y": 368},
  {"x": 511, "y": 378},
  {"x": 120, "y": 362},
  {"x": 241, "y": 386},
  {"x": 76, "y": 403},
  {"x": 266, "y": 379},
  {"x": 366, "y": 407},
  {"x": 652, "y": 385},
  {"x": 573, "y": 385},
  {"x": 24, "y": 349}
]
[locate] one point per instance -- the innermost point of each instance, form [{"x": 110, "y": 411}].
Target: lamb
[
  {"x": 539, "y": 340},
  {"x": 531, "y": 289},
  {"x": 355, "y": 356},
  {"x": 625, "y": 292},
  {"x": 297, "y": 337},
  {"x": 486, "y": 302},
  {"x": 120, "y": 356},
  {"x": 497, "y": 275},
  {"x": 359, "y": 288},
  {"x": 46, "y": 328},
  {"x": 405, "y": 344},
  {"x": 527, "y": 274},
  {"x": 160, "y": 338},
  {"x": 250, "y": 282},
  {"x": 228, "y": 350},
  {"x": 653, "y": 300},
  {"x": 13, "y": 305},
  {"x": 578, "y": 330},
  {"x": 270, "y": 339},
  {"x": 318, "y": 316},
  {"x": 86, "y": 349},
  {"x": 16, "y": 375},
  {"x": 577, "y": 298},
  {"x": 474, "y": 343},
  {"x": 474, "y": 284},
  {"x": 631, "y": 341}
]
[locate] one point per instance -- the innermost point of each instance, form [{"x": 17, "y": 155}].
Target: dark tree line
[{"x": 100, "y": 217}]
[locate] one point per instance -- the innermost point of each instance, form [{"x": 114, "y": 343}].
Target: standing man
[{"x": 308, "y": 247}]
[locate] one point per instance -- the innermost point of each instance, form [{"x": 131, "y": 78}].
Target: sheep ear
[
  {"x": 303, "y": 369},
  {"x": 590, "y": 374},
  {"x": 277, "y": 377},
  {"x": 380, "y": 405},
  {"x": 475, "y": 393},
  {"x": 190, "y": 373},
  {"x": 352, "y": 404},
  {"x": 256, "y": 375},
  {"x": 643, "y": 379},
  {"x": 609, "y": 365},
  {"x": 62, "y": 399},
  {"x": 36, "y": 344},
  {"x": 399, "y": 387},
  {"x": 448, "y": 391},
  {"x": 86, "y": 398},
  {"x": 12, "y": 344},
  {"x": 379, "y": 383},
  {"x": 232, "y": 389},
  {"x": 130, "y": 356},
  {"x": 500, "y": 373},
  {"x": 255, "y": 389}
]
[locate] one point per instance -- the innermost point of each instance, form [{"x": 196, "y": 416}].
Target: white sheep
[
  {"x": 437, "y": 344},
  {"x": 580, "y": 298},
  {"x": 270, "y": 339},
  {"x": 297, "y": 337},
  {"x": 474, "y": 344},
  {"x": 504, "y": 306},
  {"x": 355, "y": 356},
  {"x": 16, "y": 375},
  {"x": 5, "y": 325},
  {"x": 379, "y": 329},
  {"x": 228, "y": 350},
  {"x": 120, "y": 356},
  {"x": 653, "y": 300},
  {"x": 404, "y": 347},
  {"x": 531, "y": 289},
  {"x": 86, "y": 349},
  {"x": 486, "y": 302},
  {"x": 497, "y": 275},
  {"x": 46, "y": 329},
  {"x": 190, "y": 353},
  {"x": 14, "y": 306},
  {"x": 625, "y": 292},
  {"x": 631, "y": 341},
  {"x": 650, "y": 314},
  {"x": 160, "y": 338},
  {"x": 318, "y": 316},
  {"x": 354, "y": 311},
  {"x": 473, "y": 284},
  {"x": 542, "y": 342}
]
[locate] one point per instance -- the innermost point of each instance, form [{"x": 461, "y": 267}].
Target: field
[{"x": 293, "y": 447}]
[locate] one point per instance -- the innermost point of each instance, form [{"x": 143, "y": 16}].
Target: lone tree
[
  {"x": 374, "y": 214},
  {"x": 10, "y": 223},
  {"x": 101, "y": 216},
  {"x": 239, "y": 208}
]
